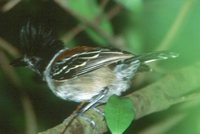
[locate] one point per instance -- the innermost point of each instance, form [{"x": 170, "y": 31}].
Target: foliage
[
  {"x": 138, "y": 26},
  {"x": 119, "y": 114}
]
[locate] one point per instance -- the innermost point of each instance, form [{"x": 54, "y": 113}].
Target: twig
[
  {"x": 9, "y": 72},
  {"x": 31, "y": 125},
  {"x": 114, "y": 11},
  {"x": 73, "y": 32},
  {"x": 88, "y": 23},
  {"x": 30, "y": 118},
  {"x": 153, "y": 98},
  {"x": 4, "y": 45},
  {"x": 81, "y": 27},
  {"x": 74, "y": 116},
  {"x": 171, "y": 34},
  {"x": 9, "y": 5},
  {"x": 103, "y": 4}
]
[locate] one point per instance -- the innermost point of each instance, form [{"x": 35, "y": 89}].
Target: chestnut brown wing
[{"x": 85, "y": 61}]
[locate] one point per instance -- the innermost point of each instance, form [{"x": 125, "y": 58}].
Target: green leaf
[
  {"x": 89, "y": 9},
  {"x": 119, "y": 114}
]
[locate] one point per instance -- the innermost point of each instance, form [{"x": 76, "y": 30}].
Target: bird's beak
[{"x": 19, "y": 62}]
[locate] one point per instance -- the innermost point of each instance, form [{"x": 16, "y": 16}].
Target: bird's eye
[{"x": 34, "y": 60}]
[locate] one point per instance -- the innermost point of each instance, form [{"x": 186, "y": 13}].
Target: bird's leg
[
  {"x": 98, "y": 110},
  {"x": 95, "y": 101},
  {"x": 93, "y": 104}
]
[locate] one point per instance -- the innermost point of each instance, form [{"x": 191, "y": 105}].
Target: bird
[{"x": 83, "y": 73}]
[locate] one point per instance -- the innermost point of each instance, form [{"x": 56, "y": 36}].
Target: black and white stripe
[{"x": 84, "y": 62}]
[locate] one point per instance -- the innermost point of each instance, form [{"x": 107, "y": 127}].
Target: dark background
[{"x": 140, "y": 26}]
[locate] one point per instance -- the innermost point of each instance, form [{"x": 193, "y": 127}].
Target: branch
[
  {"x": 158, "y": 96},
  {"x": 4, "y": 45},
  {"x": 9, "y": 5},
  {"x": 93, "y": 24},
  {"x": 30, "y": 118},
  {"x": 81, "y": 27}
]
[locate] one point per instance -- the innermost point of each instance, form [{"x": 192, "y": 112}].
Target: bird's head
[{"x": 38, "y": 46}]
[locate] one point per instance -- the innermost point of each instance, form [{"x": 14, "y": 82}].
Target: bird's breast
[{"x": 84, "y": 87}]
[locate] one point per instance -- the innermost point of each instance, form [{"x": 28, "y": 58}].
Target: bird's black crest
[{"x": 38, "y": 40}]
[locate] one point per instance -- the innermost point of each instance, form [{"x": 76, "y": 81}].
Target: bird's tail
[
  {"x": 151, "y": 57},
  {"x": 155, "y": 56}
]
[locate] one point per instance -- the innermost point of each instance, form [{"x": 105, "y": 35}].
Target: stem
[
  {"x": 176, "y": 26},
  {"x": 158, "y": 96}
]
